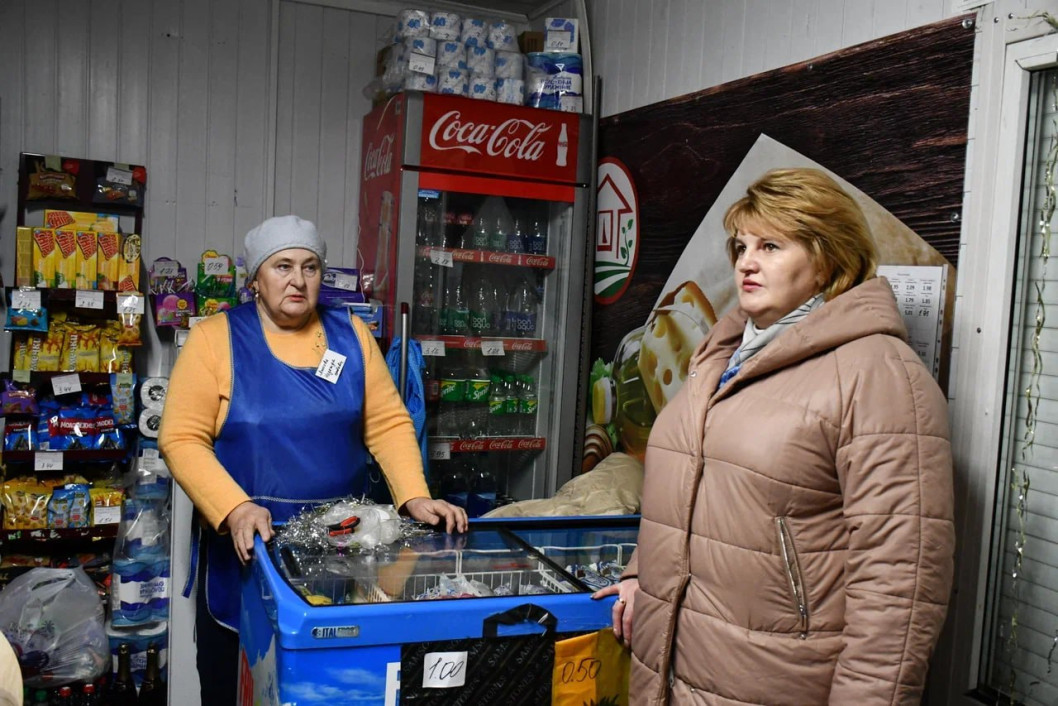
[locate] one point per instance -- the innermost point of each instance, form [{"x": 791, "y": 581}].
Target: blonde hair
[{"x": 809, "y": 207}]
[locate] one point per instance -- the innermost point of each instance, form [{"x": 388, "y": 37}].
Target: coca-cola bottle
[
  {"x": 431, "y": 385},
  {"x": 464, "y": 224},
  {"x": 522, "y": 306}
]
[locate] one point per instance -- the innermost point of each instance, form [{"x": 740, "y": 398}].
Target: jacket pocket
[{"x": 796, "y": 579}]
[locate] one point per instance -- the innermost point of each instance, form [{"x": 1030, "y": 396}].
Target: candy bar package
[{"x": 52, "y": 177}]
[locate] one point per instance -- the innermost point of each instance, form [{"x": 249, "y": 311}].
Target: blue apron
[{"x": 291, "y": 439}]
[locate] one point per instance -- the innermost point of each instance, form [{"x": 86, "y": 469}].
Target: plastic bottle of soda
[
  {"x": 477, "y": 399},
  {"x": 479, "y": 233},
  {"x": 481, "y": 495},
  {"x": 431, "y": 385},
  {"x": 500, "y": 231},
  {"x": 522, "y": 309},
  {"x": 497, "y": 424},
  {"x": 528, "y": 404},
  {"x": 428, "y": 227},
  {"x": 455, "y": 316},
  {"x": 483, "y": 305},
  {"x": 536, "y": 239},
  {"x": 453, "y": 397},
  {"x": 425, "y": 309},
  {"x": 511, "y": 404},
  {"x": 516, "y": 238}
]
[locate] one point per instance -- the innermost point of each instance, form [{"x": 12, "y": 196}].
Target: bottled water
[
  {"x": 455, "y": 317},
  {"x": 536, "y": 239},
  {"x": 517, "y": 236},
  {"x": 484, "y": 306},
  {"x": 479, "y": 233},
  {"x": 500, "y": 231}
]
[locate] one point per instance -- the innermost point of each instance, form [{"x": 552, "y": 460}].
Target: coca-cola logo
[
  {"x": 530, "y": 444},
  {"x": 499, "y": 258},
  {"x": 513, "y": 138},
  {"x": 379, "y": 159},
  {"x": 521, "y": 345},
  {"x": 537, "y": 261},
  {"x": 503, "y": 445},
  {"x": 472, "y": 446}
]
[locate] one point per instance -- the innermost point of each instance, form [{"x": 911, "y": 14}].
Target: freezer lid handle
[{"x": 525, "y": 613}]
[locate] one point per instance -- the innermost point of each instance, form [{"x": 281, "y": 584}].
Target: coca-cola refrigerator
[{"x": 475, "y": 214}]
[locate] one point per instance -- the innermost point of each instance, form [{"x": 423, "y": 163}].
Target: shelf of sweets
[
  {"x": 488, "y": 257},
  {"x": 96, "y": 533},
  {"x": 489, "y": 346},
  {"x": 68, "y": 456},
  {"x": 438, "y": 446}
]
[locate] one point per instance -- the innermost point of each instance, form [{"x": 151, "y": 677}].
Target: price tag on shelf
[
  {"x": 119, "y": 176},
  {"x": 20, "y": 375},
  {"x": 25, "y": 298},
  {"x": 216, "y": 266},
  {"x": 421, "y": 63},
  {"x": 441, "y": 257},
  {"x": 131, "y": 303},
  {"x": 88, "y": 299},
  {"x": 192, "y": 320},
  {"x": 440, "y": 451},
  {"x": 346, "y": 282},
  {"x": 47, "y": 461},
  {"x": 149, "y": 465},
  {"x": 492, "y": 348},
  {"x": 444, "y": 670},
  {"x": 66, "y": 384},
  {"x": 148, "y": 453},
  {"x": 165, "y": 268},
  {"x": 435, "y": 348}
]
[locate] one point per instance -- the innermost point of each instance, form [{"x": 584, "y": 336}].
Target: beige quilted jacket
[{"x": 797, "y": 541}]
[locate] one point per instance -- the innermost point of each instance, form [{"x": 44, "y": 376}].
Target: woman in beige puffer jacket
[{"x": 796, "y": 543}]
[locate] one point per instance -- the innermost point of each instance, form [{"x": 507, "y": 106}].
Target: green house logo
[{"x": 616, "y": 231}]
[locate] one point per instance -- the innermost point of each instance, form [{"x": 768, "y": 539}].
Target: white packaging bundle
[
  {"x": 475, "y": 32},
  {"x": 453, "y": 81},
  {"x": 510, "y": 90},
  {"x": 413, "y": 23},
  {"x": 452, "y": 54},
  {"x": 481, "y": 61},
  {"x": 501, "y": 36},
  {"x": 445, "y": 26},
  {"x": 482, "y": 87},
  {"x": 509, "y": 64},
  {"x": 561, "y": 34},
  {"x": 553, "y": 79},
  {"x": 421, "y": 45},
  {"x": 420, "y": 82}
]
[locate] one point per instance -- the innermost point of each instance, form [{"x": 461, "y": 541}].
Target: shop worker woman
[
  {"x": 252, "y": 434},
  {"x": 796, "y": 545}
]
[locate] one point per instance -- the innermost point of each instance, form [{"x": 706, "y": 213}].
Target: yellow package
[
  {"x": 87, "y": 250},
  {"x": 129, "y": 331},
  {"x": 106, "y": 505},
  {"x": 45, "y": 256},
  {"x": 20, "y": 357},
  {"x": 66, "y": 258},
  {"x": 80, "y": 348},
  {"x": 81, "y": 220},
  {"x": 25, "y": 503},
  {"x": 113, "y": 358},
  {"x": 129, "y": 270},
  {"x": 24, "y": 257},
  {"x": 108, "y": 260},
  {"x": 50, "y": 350}
]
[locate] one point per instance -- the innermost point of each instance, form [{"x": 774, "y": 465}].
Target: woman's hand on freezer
[
  {"x": 622, "y": 607},
  {"x": 246, "y": 520},
  {"x": 436, "y": 512}
]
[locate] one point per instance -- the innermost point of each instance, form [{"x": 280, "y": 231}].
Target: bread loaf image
[{"x": 674, "y": 329}]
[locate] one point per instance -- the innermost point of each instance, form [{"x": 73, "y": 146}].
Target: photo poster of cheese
[{"x": 651, "y": 361}]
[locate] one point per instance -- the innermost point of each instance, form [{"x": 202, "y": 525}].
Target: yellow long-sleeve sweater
[{"x": 200, "y": 392}]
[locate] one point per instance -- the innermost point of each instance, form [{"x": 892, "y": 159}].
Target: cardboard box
[
  {"x": 24, "y": 257},
  {"x": 531, "y": 42},
  {"x": 87, "y": 263},
  {"x": 81, "y": 220},
  {"x": 561, "y": 34},
  {"x": 108, "y": 260},
  {"x": 45, "y": 255},
  {"x": 65, "y": 258}
]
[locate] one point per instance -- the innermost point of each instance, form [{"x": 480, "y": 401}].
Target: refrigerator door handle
[{"x": 525, "y": 613}]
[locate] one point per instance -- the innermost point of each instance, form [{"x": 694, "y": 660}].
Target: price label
[
  {"x": 25, "y": 299},
  {"x": 441, "y": 257},
  {"x": 166, "y": 268},
  {"x": 444, "y": 670},
  {"x": 47, "y": 461},
  {"x": 106, "y": 515},
  {"x": 216, "y": 266},
  {"x": 492, "y": 348},
  {"x": 192, "y": 320},
  {"x": 440, "y": 451},
  {"x": 130, "y": 303},
  {"x": 87, "y": 299},
  {"x": 346, "y": 282},
  {"x": 66, "y": 384},
  {"x": 20, "y": 375},
  {"x": 421, "y": 63},
  {"x": 180, "y": 337},
  {"x": 150, "y": 465},
  {"x": 119, "y": 176},
  {"x": 149, "y": 453},
  {"x": 435, "y": 348}
]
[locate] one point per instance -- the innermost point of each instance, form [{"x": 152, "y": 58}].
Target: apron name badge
[{"x": 331, "y": 366}]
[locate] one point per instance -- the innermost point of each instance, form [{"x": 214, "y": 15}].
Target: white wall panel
[
  {"x": 134, "y": 42},
  {"x": 252, "y": 139},
  {"x": 159, "y": 236},
  {"x": 221, "y": 125},
  {"x": 192, "y": 111},
  {"x": 102, "y": 78},
  {"x": 72, "y": 79}
]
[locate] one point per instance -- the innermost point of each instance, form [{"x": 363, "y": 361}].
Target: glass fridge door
[{"x": 489, "y": 307}]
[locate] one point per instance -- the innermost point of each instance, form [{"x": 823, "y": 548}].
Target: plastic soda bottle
[
  {"x": 484, "y": 308},
  {"x": 522, "y": 310},
  {"x": 497, "y": 424},
  {"x": 453, "y": 396},
  {"x": 511, "y": 404},
  {"x": 477, "y": 401},
  {"x": 527, "y": 406},
  {"x": 455, "y": 316},
  {"x": 481, "y": 496}
]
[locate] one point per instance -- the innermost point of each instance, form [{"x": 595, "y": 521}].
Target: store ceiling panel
[{"x": 518, "y": 10}]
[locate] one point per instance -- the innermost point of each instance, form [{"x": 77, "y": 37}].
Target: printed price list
[{"x": 919, "y": 292}]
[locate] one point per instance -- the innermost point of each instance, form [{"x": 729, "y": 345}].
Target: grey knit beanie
[{"x": 280, "y": 233}]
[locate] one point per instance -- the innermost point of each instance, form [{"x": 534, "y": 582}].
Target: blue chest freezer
[{"x": 439, "y": 619}]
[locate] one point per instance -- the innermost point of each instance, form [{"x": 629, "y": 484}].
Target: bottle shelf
[
  {"x": 499, "y": 443},
  {"x": 67, "y": 534},
  {"x": 466, "y": 343},
  {"x": 491, "y": 257}
]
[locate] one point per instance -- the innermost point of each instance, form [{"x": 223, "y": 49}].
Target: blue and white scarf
[{"x": 754, "y": 339}]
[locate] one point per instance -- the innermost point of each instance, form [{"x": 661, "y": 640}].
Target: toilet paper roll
[
  {"x": 445, "y": 25},
  {"x": 421, "y": 45},
  {"x": 453, "y": 81},
  {"x": 150, "y": 421},
  {"x": 475, "y": 32},
  {"x": 452, "y": 54},
  {"x": 420, "y": 82},
  {"x": 509, "y": 64},
  {"x": 153, "y": 392},
  {"x": 501, "y": 36},
  {"x": 510, "y": 90},
  {"x": 412, "y": 23},
  {"x": 482, "y": 87},
  {"x": 481, "y": 61}
]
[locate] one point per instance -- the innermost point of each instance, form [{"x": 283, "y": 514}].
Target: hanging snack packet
[
  {"x": 108, "y": 436},
  {"x": 19, "y": 436},
  {"x": 129, "y": 264},
  {"x": 87, "y": 260},
  {"x": 108, "y": 260},
  {"x": 123, "y": 394},
  {"x": 69, "y": 506},
  {"x": 113, "y": 358},
  {"x": 123, "y": 183},
  {"x": 53, "y": 178},
  {"x": 17, "y": 399},
  {"x": 26, "y": 320}
]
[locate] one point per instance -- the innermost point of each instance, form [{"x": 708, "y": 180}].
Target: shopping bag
[{"x": 590, "y": 670}]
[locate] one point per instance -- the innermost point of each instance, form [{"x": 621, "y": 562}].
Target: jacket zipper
[{"x": 793, "y": 574}]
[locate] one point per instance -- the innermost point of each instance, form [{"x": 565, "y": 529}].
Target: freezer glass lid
[{"x": 481, "y": 564}]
